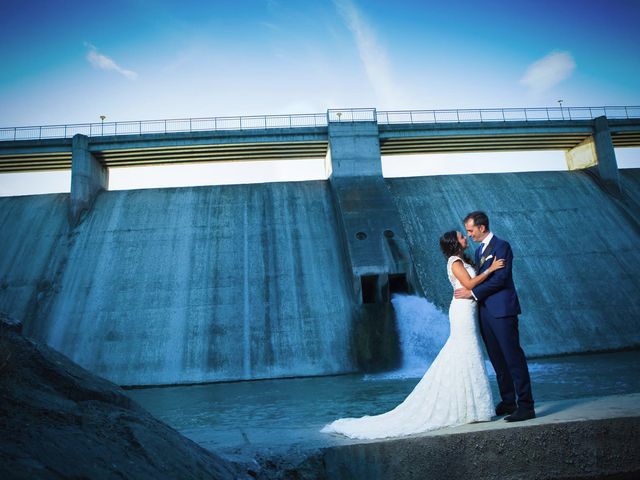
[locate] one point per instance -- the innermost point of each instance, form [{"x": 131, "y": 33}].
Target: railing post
[
  {"x": 458, "y": 115},
  {"x": 547, "y": 109},
  {"x": 526, "y": 118},
  {"x": 626, "y": 113},
  {"x": 189, "y": 125}
]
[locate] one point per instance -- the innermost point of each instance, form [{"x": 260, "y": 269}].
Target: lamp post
[
  {"x": 561, "y": 110},
  {"x": 102, "y": 117}
]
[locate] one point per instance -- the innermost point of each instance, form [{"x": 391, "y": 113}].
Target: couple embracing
[{"x": 455, "y": 390}]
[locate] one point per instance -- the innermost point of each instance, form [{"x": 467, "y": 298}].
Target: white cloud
[
  {"x": 373, "y": 56},
  {"x": 547, "y": 72},
  {"x": 271, "y": 26},
  {"x": 103, "y": 62}
]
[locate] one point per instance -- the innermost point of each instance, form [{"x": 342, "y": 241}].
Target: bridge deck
[{"x": 310, "y": 142}]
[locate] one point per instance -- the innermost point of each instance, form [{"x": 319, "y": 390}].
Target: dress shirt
[
  {"x": 483, "y": 246},
  {"x": 485, "y": 242}
]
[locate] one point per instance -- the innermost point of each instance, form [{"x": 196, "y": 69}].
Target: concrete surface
[
  {"x": 88, "y": 178},
  {"x": 577, "y": 439},
  {"x": 186, "y": 285},
  {"x": 203, "y": 284},
  {"x": 607, "y": 164}
]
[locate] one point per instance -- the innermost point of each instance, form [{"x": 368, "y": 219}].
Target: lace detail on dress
[
  {"x": 455, "y": 389},
  {"x": 455, "y": 283}
]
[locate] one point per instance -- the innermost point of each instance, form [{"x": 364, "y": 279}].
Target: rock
[
  {"x": 11, "y": 323},
  {"x": 58, "y": 420}
]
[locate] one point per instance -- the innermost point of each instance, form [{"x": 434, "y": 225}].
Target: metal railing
[
  {"x": 506, "y": 114},
  {"x": 316, "y": 120},
  {"x": 164, "y": 126}
]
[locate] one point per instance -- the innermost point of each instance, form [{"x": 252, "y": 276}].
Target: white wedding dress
[{"x": 455, "y": 390}]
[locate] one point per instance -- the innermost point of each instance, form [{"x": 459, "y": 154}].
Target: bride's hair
[{"x": 450, "y": 246}]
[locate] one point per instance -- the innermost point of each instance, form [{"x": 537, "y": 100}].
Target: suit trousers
[{"x": 502, "y": 340}]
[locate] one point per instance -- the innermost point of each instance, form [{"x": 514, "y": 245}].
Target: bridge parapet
[
  {"x": 164, "y": 126},
  {"x": 292, "y": 121},
  {"x": 484, "y": 115}
]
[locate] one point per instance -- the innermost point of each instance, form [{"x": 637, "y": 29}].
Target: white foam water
[{"x": 423, "y": 330}]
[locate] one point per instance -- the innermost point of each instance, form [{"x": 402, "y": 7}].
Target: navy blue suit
[{"x": 499, "y": 309}]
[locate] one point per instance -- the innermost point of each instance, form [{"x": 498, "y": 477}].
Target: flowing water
[{"x": 285, "y": 414}]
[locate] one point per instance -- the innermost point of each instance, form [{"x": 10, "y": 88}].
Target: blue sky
[
  {"x": 69, "y": 61},
  {"x": 72, "y": 61}
]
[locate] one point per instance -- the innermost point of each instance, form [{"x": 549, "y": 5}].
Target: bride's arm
[{"x": 465, "y": 279}]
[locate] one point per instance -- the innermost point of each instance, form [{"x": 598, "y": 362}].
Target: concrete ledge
[{"x": 583, "y": 439}]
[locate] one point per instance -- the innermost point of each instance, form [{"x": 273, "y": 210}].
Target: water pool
[{"x": 280, "y": 415}]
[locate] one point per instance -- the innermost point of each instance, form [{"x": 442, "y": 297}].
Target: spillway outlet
[{"x": 378, "y": 288}]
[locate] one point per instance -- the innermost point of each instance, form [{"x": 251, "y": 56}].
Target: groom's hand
[{"x": 462, "y": 293}]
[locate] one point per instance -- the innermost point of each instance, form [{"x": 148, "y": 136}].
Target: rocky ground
[{"x": 57, "y": 420}]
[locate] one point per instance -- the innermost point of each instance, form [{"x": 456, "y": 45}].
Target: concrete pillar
[
  {"x": 607, "y": 164},
  {"x": 355, "y": 149},
  {"x": 88, "y": 177},
  {"x": 370, "y": 218},
  {"x": 373, "y": 232},
  {"x": 373, "y": 239}
]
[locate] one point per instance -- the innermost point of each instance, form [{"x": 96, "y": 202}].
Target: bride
[{"x": 455, "y": 389}]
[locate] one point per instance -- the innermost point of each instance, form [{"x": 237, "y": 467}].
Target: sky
[{"x": 72, "y": 61}]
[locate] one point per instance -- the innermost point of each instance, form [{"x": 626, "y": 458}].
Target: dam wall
[
  {"x": 237, "y": 282},
  {"x": 183, "y": 285},
  {"x": 32, "y": 230},
  {"x": 576, "y": 260}
]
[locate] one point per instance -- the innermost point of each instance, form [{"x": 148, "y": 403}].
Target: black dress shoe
[
  {"x": 520, "y": 415},
  {"x": 505, "y": 408}
]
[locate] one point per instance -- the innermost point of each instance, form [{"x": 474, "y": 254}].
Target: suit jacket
[{"x": 498, "y": 291}]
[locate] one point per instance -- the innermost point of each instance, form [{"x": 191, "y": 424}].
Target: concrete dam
[{"x": 217, "y": 283}]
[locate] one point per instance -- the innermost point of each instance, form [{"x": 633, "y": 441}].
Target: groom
[{"x": 499, "y": 308}]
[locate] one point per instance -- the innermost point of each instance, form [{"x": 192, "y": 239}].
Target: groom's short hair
[{"x": 479, "y": 218}]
